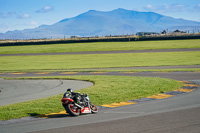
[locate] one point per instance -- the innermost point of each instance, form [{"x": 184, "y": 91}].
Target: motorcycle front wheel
[{"x": 72, "y": 110}]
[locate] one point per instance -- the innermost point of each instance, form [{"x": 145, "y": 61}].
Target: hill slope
[{"x": 116, "y": 22}]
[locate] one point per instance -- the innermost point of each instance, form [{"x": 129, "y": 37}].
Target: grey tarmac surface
[
  {"x": 14, "y": 91},
  {"x": 172, "y": 75},
  {"x": 181, "y": 121}
]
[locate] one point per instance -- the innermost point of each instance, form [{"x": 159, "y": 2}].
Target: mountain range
[{"x": 98, "y": 23}]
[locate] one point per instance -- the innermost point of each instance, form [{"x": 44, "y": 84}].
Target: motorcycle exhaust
[{"x": 78, "y": 105}]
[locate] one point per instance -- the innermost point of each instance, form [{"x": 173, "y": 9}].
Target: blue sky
[{"x": 26, "y": 14}]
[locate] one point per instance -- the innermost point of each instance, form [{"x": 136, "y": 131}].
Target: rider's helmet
[
  {"x": 87, "y": 98},
  {"x": 69, "y": 90}
]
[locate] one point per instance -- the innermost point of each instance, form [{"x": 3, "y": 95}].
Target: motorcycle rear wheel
[{"x": 73, "y": 110}]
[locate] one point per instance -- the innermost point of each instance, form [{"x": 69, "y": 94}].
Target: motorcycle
[{"x": 76, "y": 109}]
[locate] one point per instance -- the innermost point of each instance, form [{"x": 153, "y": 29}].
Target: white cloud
[
  {"x": 176, "y": 8},
  {"x": 166, "y": 8},
  {"x": 45, "y": 9},
  {"x": 148, "y": 7},
  {"x": 13, "y": 14},
  {"x": 34, "y": 23},
  {"x": 24, "y": 16},
  {"x": 8, "y": 14}
]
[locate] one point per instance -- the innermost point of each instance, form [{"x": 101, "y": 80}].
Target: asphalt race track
[
  {"x": 14, "y": 91},
  {"x": 178, "y": 114}
]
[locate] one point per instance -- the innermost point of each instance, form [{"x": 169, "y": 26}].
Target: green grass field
[
  {"x": 101, "y": 46},
  {"x": 107, "y": 89},
  {"x": 59, "y": 62}
]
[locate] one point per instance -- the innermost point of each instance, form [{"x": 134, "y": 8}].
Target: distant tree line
[{"x": 122, "y": 38}]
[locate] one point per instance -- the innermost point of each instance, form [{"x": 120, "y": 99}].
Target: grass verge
[
  {"x": 107, "y": 89},
  {"x": 106, "y": 70}
]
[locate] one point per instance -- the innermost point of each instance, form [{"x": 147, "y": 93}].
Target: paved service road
[
  {"x": 179, "y": 114},
  {"x": 14, "y": 91}
]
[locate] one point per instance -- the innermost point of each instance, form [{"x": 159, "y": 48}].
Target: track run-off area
[{"x": 180, "y": 112}]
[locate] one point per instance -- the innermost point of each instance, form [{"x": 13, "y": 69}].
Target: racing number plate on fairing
[{"x": 86, "y": 110}]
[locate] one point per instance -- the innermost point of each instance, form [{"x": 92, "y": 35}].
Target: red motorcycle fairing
[{"x": 66, "y": 100}]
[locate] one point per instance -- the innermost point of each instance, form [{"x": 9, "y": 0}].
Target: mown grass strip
[
  {"x": 59, "y": 62},
  {"x": 101, "y": 46},
  {"x": 107, "y": 90}
]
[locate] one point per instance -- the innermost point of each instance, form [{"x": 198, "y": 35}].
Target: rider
[{"x": 79, "y": 98}]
